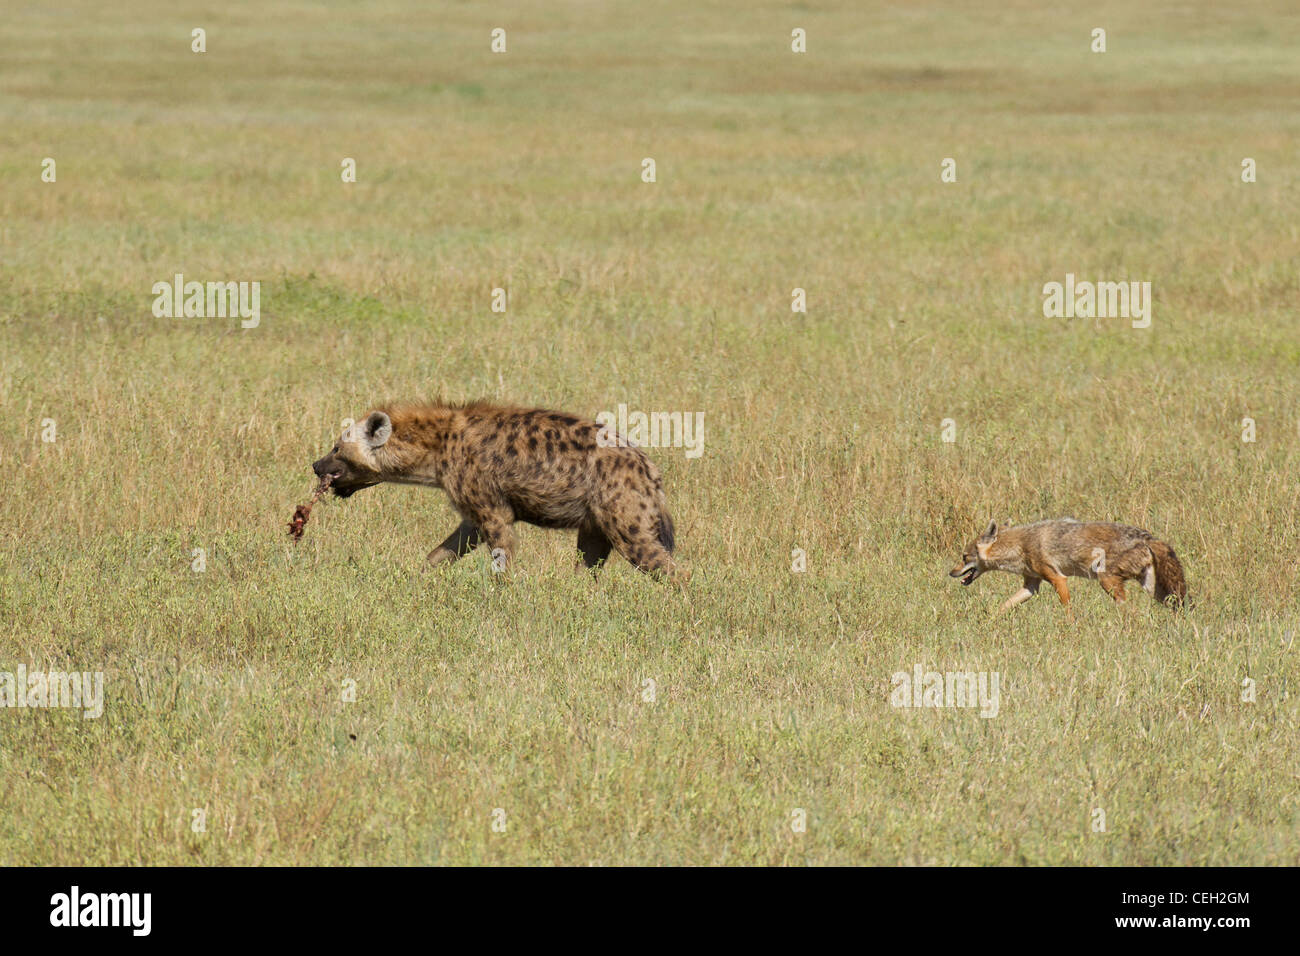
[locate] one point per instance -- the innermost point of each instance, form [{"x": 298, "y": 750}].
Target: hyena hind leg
[
  {"x": 646, "y": 553},
  {"x": 663, "y": 564},
  {"x": 459, "y": 543},
  {"x": 595, "y": 548},
  {"x": 498, "y": 531}
]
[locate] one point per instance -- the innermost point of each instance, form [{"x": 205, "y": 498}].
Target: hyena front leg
[
  {"x": 595, "y": 547},
  {"x": 459, "y": 543}
]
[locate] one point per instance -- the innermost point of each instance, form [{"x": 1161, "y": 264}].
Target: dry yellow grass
[{"x": 822, "y": 431}]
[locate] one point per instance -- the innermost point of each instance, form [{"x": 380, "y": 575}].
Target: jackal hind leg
[
  {"x": 1058, "y": 582},
  {"x": 1148, "y": 579},
  {"x": 1135, "y": 564},
  {"x": 1138, "y": 564},
  {"x": 1114, "y": 586}
]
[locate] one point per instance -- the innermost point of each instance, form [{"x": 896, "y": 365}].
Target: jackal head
[
  {"x": 974, "y": 559},
  {"x": 352, "y": 463}
]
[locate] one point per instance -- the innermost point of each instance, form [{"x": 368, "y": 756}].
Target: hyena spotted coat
[{"x": 500, "y": 464}]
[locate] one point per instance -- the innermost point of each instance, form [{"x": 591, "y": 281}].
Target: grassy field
[{"x": 224, "y": 687}]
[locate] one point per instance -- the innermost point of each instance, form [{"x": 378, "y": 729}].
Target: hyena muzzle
[{"x": 501, "y": 464}]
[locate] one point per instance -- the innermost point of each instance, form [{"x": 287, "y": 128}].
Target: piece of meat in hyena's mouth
[{"x": 303, "y": 512}]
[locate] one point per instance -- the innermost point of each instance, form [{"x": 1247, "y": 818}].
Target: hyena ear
[
  {"x": 990, "y": 533},
  {"x": 377, "y": 429}
]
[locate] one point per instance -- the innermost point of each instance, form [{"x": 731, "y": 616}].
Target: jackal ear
[
  {"x": 990, "y": 533},
  {"x": 376, "y": 429}
]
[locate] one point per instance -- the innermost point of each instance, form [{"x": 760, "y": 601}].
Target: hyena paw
[
  {"x": 677, "y": 574},
  {"x": 441, "y": 556}
]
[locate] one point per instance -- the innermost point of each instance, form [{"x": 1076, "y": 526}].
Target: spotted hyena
[{"x": 501, "y": 464}]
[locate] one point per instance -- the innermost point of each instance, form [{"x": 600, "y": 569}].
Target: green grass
[{"x": 822, "y": 431}]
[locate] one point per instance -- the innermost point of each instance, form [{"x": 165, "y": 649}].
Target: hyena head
[
  {"x": 975, "y": 558},
  {"x": 353, "y": 463}
]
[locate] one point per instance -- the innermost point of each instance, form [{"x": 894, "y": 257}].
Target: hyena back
[{"x": 501, "y": 464}]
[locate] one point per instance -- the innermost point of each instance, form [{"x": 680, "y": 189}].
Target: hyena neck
[{"x": 419, "y": 450}]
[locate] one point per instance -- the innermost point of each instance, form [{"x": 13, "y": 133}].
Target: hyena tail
[
  {"x": 1171, "y": 586},
  {"x": 667, "y": 536}
]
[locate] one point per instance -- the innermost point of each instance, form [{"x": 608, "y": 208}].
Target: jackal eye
[{"x": 335, "y": 450}]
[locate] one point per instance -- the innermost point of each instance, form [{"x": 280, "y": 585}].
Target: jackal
[{"x": 1059, "y": 548}]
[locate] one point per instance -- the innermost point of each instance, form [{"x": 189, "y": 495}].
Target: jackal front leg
[
  {"x": 1057, "y": 581},
  {"x": 1028, "y": 590}
]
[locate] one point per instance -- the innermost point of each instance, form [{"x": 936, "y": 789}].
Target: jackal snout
[
  {"x": 971, "y": 566},
  {"x": 967, "y": 570}
]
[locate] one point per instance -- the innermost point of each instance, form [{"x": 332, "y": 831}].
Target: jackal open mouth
[{"x": 969, "y": 575}]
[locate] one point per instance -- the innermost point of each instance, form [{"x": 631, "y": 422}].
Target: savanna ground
[{"x": 822, "y": 431}]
